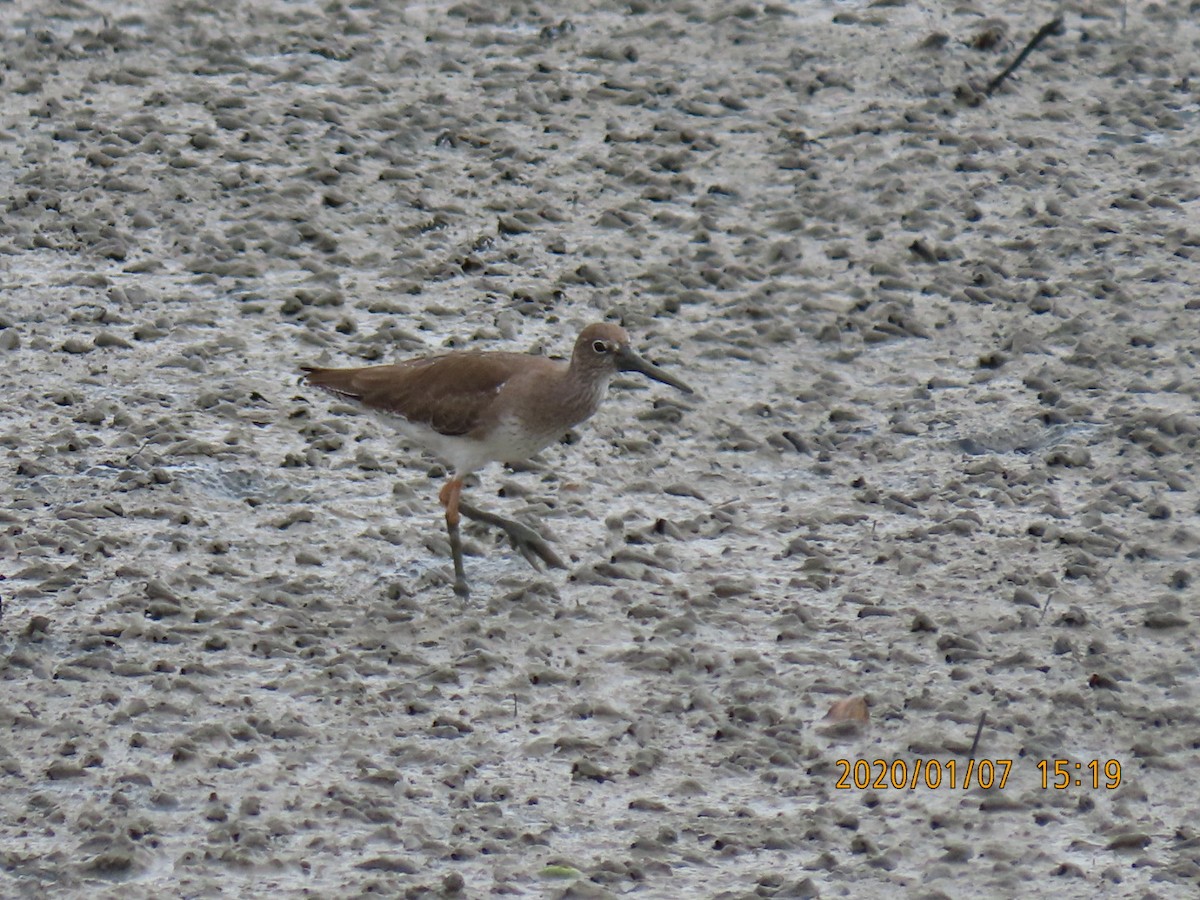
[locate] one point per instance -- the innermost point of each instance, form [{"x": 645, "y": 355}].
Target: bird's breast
[
  {"x": 514, "y": 439},
  {"x": 538, "y": 409}
]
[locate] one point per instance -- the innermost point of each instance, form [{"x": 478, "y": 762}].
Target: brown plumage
[
  {"x": 470, "y": 408},
  {"x": 452, "y": 394}
]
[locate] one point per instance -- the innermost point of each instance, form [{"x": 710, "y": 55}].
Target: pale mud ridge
[{"x": 943, "y": 455}]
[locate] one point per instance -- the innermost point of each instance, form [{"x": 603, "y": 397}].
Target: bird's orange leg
[{"x": 449, "y": 495}]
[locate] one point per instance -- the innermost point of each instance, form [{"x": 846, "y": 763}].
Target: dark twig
[
  {"x": 1052, "y": 27},
  {"x": 1045, "y": 609},
  {"x": 978, "y": 732}
]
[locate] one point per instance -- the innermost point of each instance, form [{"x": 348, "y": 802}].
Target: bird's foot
[{"x": 531, "y": 545}]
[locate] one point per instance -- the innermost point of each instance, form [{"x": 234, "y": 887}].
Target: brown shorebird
[{"x": 470, "y": 408}]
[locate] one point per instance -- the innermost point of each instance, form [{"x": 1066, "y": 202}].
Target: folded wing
[{"x": 450, "y": 394}]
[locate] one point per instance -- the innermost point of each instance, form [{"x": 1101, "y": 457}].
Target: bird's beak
[{"x": 628, "y": 361}]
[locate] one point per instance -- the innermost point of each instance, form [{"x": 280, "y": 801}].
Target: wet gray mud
[{"x": 941, "y": 461}]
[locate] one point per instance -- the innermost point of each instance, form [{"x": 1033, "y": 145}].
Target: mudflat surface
[{"x": 941, "y": 460}]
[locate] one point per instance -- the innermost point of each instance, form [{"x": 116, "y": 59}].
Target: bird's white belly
[
  {"x": 513, "y": 440},
  {"x": 508, "y": 441}
]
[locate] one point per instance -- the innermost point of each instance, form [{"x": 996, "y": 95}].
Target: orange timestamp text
[{"x": 987, "y": 774}]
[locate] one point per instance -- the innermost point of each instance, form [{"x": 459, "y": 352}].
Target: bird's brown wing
[{"x": 451, "y": 394}]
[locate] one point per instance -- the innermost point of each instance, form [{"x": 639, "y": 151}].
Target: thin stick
[
  {"x": 978, "y": 732},
  {"x": 1052, "y": 27},
  {"x": 1045, "y": 608}
]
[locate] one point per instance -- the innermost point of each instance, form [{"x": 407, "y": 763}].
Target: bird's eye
[{"x": 600, "y": 347}]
